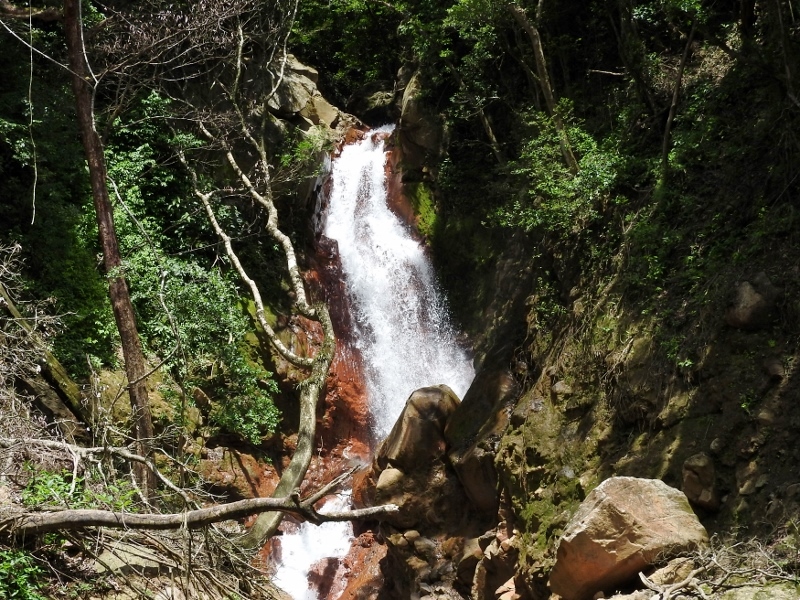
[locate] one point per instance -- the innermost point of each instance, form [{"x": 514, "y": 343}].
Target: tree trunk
[
  {"x": 544, "y": 81},
  {"x": 674, "y": 104},
  {"x": 117, "y": 286}
]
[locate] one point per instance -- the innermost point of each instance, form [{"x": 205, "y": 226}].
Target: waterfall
[{"x": 402, "y": 329}]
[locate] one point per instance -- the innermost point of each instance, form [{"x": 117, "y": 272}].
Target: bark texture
[{"x": 117, "y": 286}]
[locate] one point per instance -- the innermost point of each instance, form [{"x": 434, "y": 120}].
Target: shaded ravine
[{"x": 396, "y": 326}]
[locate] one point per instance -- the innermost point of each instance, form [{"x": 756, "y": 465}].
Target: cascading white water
[
  {"x": 401, "y": 324},
  {"x": 403, "y": 329},
  {"x": 309, "y": 545}
]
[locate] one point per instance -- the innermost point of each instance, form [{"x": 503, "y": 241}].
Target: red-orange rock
[
  {"x": 364, "y": 576},
  {"x": 623, "y": 526}
]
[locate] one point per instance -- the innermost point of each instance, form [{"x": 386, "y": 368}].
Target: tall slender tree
[{"x": 83, "y": 88}]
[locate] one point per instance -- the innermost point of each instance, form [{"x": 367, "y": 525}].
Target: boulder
[
  {"x": 753, "y": 304},
  {"x": 418, "y": 435},
  {"x": 699, "y": 481},
  {"x": 473, "y": 433},
  {"x": 319, "y": 111},
  {"x": 410, "y": 470},
  {"x": 623, "y": 526},
  {"x": 295, "y": 89}
]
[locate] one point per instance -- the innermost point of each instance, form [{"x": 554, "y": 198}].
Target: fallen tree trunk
[{"x": 20, "y": 523}]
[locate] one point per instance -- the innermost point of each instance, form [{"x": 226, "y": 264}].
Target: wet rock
[
  {"x": 699, "y": 481},
  {"x": 323, "y": 576},
  {"x": 364, "y": 576},
  {"x": 623, "y": 526}
]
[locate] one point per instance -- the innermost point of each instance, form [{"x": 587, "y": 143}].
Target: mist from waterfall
[{"x": 403, "y": 330}]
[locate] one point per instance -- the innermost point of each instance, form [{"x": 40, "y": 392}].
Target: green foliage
[
  {"x": 50, "y": 488},
  {"x": 557, "y": 200},
  {"x": 248, "y": 409},
  {"x": 57, "y": 230},
  {"x": 46, "y": 488},
  {"x": 338, "y": 38},
  {"x": 20, "y": 576},
  {"x": 424, "y": 207},
  {"x": 305, "y": 149},
  {"x": 188, "y": 313}
]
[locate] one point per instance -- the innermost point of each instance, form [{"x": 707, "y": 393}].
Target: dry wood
[{"x": 26, "y": 523}]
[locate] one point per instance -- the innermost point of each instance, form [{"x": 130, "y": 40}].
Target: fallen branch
[
  {"x": 21, "y": 522},
  {"x": 666, "y": 592},
  {"x": 33, "y": 523},
  {"x": 78, "y": 453}
]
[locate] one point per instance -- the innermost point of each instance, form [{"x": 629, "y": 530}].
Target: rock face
[
  {"x": 624, "y": 525},
  {"x": 409, "y": 469},
  {"x": 699, "y": 481},
  {"x": 421, "y": 132},
  {"x": 473, "y": 434},
  {"x": 297, "y": 94}
]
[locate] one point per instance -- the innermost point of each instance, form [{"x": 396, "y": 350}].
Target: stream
[{"x": 402, "y": 328}]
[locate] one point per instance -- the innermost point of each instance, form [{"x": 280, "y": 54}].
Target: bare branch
[
  {"x": 205, "y": 198},
  {"x": 32, "y": 523}
]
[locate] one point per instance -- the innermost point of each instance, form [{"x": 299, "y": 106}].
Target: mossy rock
[{"x": 424, "y": 205}]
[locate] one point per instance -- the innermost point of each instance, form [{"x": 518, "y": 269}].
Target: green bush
[
  {"x": 555, "y": 199},
  {"x": 19, "y": 576}
]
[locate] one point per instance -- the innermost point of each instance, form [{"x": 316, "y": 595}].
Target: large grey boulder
[
  {"x": 418, "y": 435},
  {"x": 623, "y": 526},
  {"x": 410, "y": 468},
  {"x": 295, "y": 90}
]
